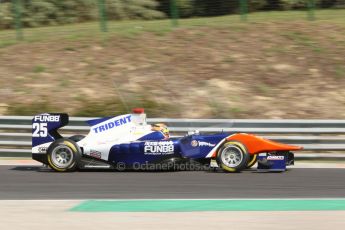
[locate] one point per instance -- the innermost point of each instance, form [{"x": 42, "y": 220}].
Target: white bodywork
[
  {"x": 102, "y": 136},
  {"x": 127, "y": 128}
]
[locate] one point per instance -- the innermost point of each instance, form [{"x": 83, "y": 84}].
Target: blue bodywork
[
  {"x": 274, "y": 162},
  {"x": 157, "y": 150}
]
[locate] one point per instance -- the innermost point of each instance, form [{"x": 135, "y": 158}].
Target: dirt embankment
[{"x": 262, "y": 70}]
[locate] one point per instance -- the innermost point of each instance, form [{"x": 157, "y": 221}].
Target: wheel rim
[
  {"x": 232, "y": 156},
  {"x": 62, "y": 156}
]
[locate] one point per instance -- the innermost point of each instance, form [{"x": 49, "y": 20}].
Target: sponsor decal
[
  {"x": 159, "y": 148},
  {"x": 275, "y": 158},
  {"x": 42, "y": 149},
  {"x": 47, "y": 118},
  {"x": 95, "y": 154},
  {"x": 194, "y": 143},
  {"x": 202, "y": 143},
  {"x": 112, "y": 124}
]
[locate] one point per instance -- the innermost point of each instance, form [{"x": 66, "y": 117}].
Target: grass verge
[{"x": 160, "y": 27}]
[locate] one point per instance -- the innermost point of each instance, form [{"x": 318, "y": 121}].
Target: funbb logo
[
  {"x": 47, "y": 118},
  {"x": 158, "y": 148}
]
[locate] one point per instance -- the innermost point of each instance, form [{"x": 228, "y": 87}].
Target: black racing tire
[
  {"x": 232, "y": 156},
  {"x": 64, "y": 155},
  {"x": 252, "y": 161},
  {"x": 76, "y": 138}
]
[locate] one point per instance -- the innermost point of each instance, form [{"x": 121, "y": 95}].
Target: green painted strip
[{"x": 209, "y": 205}]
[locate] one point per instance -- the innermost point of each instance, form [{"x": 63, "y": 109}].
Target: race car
[{"x": 128, "y": 142}]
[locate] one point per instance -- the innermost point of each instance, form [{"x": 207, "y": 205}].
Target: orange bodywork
[{"x": 255, "y": 144}]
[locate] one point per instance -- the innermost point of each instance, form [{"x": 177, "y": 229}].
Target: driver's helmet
[{"x": 163, "y": 128}]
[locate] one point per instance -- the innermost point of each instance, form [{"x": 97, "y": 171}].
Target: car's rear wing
[{"x": 45, "y": 127}]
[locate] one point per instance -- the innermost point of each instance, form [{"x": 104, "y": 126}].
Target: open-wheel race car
[{"x": 128, "y": 142}]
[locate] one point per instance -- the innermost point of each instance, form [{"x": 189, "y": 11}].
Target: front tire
[
  {"x": 63, "y": 155},
  {"x": 252, "y": 161},
  {"x": 232, "y": 157}
]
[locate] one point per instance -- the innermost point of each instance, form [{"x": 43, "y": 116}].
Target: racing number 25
[{"x": 40, "y": 129}]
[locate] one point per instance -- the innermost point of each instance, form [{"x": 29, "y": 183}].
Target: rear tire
[
  {"x": 232, "y": 156},
  {"x": 63, "y": 155}
]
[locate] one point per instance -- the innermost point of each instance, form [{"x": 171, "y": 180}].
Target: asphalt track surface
[{"x": 33, "y": 182}]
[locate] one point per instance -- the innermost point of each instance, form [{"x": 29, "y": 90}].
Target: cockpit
[{"x": 155, "y": 131}]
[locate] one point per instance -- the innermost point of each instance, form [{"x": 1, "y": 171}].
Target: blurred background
[{"x": 175, "y": 58}]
